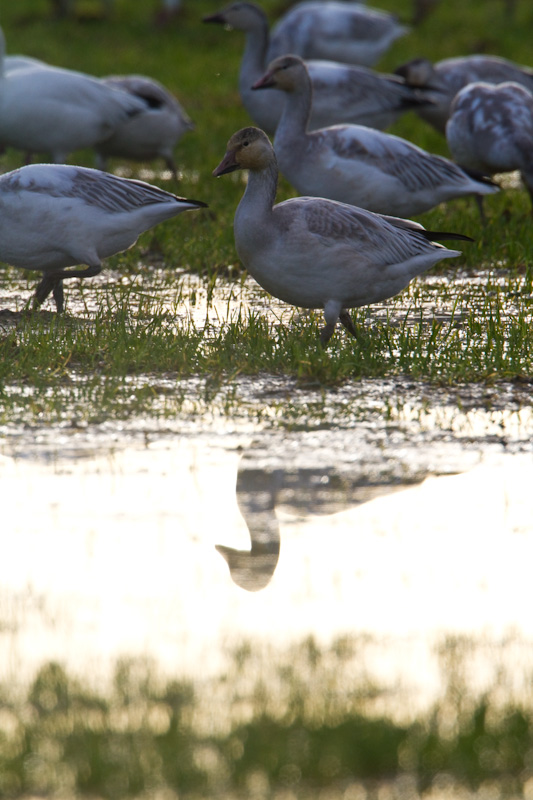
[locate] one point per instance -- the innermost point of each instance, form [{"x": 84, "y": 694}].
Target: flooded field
[{"x": 284, "y": 551}]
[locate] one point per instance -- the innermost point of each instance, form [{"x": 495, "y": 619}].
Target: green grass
[
  {"x": 307, "y": 722},
  {"x": 457, "y": 329}
]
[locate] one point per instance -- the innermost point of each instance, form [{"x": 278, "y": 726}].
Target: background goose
[
  {"x": 154, "y": 132},
  {"x": 335, "y": 30},
  {"x": 354, "y": 164},
  {"x": 56, "y": 111},
  {"x": 341, "y": 92},
  {"x": 22, "y": 62},
  {"x": 444, "y": 79},
  {"x": 316, "y": 253},
  {"x": 54, "y": 216},
  {"x": 491, "y": 128}
]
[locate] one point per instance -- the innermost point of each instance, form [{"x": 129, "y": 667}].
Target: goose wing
[
  {"x": 385, "y": 240},
  {"x": 416, "y": 169},
  {"x": 92, "y": 188}
]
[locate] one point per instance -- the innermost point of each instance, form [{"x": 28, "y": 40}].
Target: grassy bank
[{"x": 471, "y": 323}]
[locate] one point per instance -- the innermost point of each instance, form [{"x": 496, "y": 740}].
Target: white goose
[
  {"x": 54, "y": 216},
  {"x": 56, "y": 111},
  {"x": 491, "y": 128},
  {"x": 444, "y": 79},
  {"x": 341, "y": 92},
  {"x": 354, "y": 164},
  {"x": 154, "y": 132},
  {"x": 317, "y": 253},
  {"x": 335, "y": 30}
]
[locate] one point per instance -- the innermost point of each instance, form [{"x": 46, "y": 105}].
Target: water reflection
[{"x": 301, "y": 492}]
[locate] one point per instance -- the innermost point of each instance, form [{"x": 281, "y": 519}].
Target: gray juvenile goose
[{"x": 317, "y": 253}]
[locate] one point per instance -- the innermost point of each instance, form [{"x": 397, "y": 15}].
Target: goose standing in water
[
  {"x": 45, "y": 109},
  {"x": 54, "y": 216},
  {"x": 441, "y": 81},
  {"x": 154, "y": 132},
  {"x": 341, "y": 92},
  {"x": 355, "y": 164},
  {"x": 317, "y": 253},
  {"x": 335, "y": 30},
  {"x": 491, "y": 128}
]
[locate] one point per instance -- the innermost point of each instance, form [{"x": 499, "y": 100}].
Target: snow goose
[
  {"x": 354, "y": 164},
  {"x": 54, "y": 216},
  {"x": 56, "y": 111},
  {"x": 341, "y": 92},
  {"x": 491, "y": 129},
  {"x": 154, "y": 132},
  {"x": 317, "y": 253},
  {"x": 442, "y": 81},
  {"x": 22, "y": 62},
  {"x": 336, "y": 30}
]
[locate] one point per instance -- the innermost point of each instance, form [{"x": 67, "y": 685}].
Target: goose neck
[
  {"x": 296, "y": 112},
  {"x": 253, "y": 63},
  {"x": 260, "y": 193}
]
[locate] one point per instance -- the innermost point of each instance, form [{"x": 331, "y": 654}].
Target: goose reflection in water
[{"x": 299, "y": 491}]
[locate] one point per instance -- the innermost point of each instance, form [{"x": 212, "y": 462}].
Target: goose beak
[
  {"x": 218, "y": 18},
  {"x": 228, "y": 164},
  {"x": 266, "y": 82}
]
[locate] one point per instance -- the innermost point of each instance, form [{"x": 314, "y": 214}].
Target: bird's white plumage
[
  {"x": 355, "y": 164},
  {"x": 54, "y": 216},
  {"x": 45, "y": 109},
  {"x": 153, "y": 132},
  {"x": 341, "y": 92},
  {"x": 445, "y": 78},
  {"x": 335, "y": 30},
  {"x": 491, "y": 128},
  {"x": 317, "y": 253}
]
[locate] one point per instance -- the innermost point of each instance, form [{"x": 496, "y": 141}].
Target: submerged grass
[
  {"x": 483, "y": 334},
  {"x": 476, "y": 336},
  {"x": 300, "y": 725}
]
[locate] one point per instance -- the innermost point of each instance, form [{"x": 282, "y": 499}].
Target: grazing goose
[
  {"x": 317, "y": 253},
  {"x": 54, "y": 216},
  {"x": 341, "y": 92},
  {"x": 335, "y": 30},
  {"x": 491, "y": 129},
  {"x": 354, "y": 164},
  {"x": 442, "y": 81},
  {"x": 56, "y": 111},
  {"x": 154, "y": 132}
]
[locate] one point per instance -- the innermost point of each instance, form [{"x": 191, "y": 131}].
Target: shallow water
[{"x": 388, "y": 512}]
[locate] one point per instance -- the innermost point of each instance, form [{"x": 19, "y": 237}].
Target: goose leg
[
  {"x": 49, "y": 283},
  {"x": 54, "y": 283},
  {"x": 347, "y": 321},
  {"x": 171, "y": 166},
  {"x": 326, "y": 333}
]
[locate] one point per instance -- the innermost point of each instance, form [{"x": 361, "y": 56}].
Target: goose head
[
  {"x": 239, "y": 16},
  {"x": 417, "y": 72},
  {"x": 287, "y": 73},
  {"x": 249, "y": 148}
]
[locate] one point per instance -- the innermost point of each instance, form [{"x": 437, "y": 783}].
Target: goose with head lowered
[
  {"x": 355, "y": 164},
  {"x": 46, "y": 109},
  {"x": 491, "y": 128},
  {"x": 341, "y": 92},
  {"x": 317, "y": 253},
  {"x": 55, "y": 216},
  {"x": 441, "y": 81},
  {"x": 153, "y": 132}
]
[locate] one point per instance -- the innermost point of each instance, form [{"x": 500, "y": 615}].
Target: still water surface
[{"x": 121, "y": 551}]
